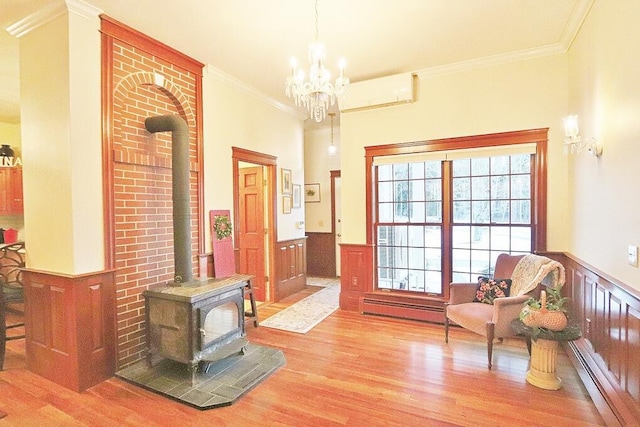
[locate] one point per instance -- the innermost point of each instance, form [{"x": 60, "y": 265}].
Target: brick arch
[
  {"x": 164, "y": 85},
  {"x": 142, "y": 167}
]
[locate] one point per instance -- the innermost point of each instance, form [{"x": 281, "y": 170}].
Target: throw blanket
[{"x": 532, "y": 270}]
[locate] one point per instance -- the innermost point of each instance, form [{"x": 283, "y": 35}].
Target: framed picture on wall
[
  {"x": 312, "y": 193},
  {"x": 286, "y": 181},
  {"x": 286, "y": 204},
  {"x": 296, "y": 195}
]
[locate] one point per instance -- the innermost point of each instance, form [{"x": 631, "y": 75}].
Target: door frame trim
[
  {"x": 269, "y": 162},
  {"x": 334, "y": 174}
]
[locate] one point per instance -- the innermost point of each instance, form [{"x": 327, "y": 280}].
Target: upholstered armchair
[{"x": 492, "y": 321}]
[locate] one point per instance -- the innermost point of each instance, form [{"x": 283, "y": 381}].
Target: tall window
[
  {"x": 491, "y": 206},
  {"x": 410, "y": 226},
  {"x": 446, "y": 219}
]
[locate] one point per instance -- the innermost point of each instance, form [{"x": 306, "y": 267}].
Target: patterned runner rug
[
  {"x": 302, "y": 316},
  {"x": 322, "y": 281}
]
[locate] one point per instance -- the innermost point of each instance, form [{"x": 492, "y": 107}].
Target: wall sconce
[{"x": 573, "y": 141}]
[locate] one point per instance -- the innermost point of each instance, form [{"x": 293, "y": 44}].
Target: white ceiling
[{"x": 254, "y": 40}]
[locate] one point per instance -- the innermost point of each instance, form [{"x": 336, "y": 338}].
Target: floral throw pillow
[{"x": 490, "y": 289}]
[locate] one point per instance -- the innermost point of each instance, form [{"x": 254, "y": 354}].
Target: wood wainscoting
[
  {"x": 291, "y": 268},
  {"x": 606, "y": 357},
  {"x": 609, "y": 350},
  {"x": 323, "y": 261},
  {"x": 357, "y": 293},
  {"x": 70, "y": 326}
]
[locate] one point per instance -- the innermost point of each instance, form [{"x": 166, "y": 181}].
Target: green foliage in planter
[{"x": 554, "y": 302}]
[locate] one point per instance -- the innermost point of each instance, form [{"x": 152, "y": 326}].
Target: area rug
[
  {"x": 322, "y": 281},
  {"x": 302, "y": 316}
]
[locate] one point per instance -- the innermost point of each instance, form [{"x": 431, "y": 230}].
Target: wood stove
[{"x": 198, "y": 322}]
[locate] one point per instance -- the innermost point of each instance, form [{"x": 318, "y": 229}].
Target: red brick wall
[{"x": 141, "y": 180}]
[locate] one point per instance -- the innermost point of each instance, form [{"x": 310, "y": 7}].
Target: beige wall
[
  {"x": 10, "y": 134},
  {"x": 234, "y": 116},
  {"x": 318, "y": 165},
  {"x": 62, "y": 144},
  {"x": 604, "y": 90},
  {"x": 515, "y": 96}
]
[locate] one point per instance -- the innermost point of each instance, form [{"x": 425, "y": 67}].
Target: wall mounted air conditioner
[{"x": 381, "y": 92}]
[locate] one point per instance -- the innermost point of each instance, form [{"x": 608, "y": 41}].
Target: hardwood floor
[{"x": 350, "y": 370}]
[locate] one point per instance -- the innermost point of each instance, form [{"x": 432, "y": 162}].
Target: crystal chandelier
[{"x": 317, "y": 94}]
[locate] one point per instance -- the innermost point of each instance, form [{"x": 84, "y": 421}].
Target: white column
[{"x": 61, "y": 137}]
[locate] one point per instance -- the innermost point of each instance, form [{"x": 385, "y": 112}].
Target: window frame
[{"x": 539, "y": 171}]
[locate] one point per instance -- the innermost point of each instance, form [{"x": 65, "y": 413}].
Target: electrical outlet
[{"x": 632, "y": 255}]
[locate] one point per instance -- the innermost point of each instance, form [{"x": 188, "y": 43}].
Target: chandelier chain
[{"x": 317, "y": 25}]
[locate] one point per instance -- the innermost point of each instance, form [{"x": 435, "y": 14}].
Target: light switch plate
[{"x": 632, "y": 255}]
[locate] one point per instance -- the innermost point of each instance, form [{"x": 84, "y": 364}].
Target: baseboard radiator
[{"x": 404, "y": 308}]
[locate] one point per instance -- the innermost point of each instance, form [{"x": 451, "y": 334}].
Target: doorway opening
[{"x": 254, "y": 177}]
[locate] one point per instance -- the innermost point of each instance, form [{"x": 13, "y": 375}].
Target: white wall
[
  {"x": 318, "y": 165},
  {"x": 514, "y": 96},
  {"x": 62, "y": 144},
  {"x": 10, "y": 134},
  {"x": 604, "y": 90},
  {"x": 234, "y": 116}
]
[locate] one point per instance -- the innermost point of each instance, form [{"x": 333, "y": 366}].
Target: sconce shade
[
  {"x": 571, "y": 126},
  {"x": 574, "y": 143}
]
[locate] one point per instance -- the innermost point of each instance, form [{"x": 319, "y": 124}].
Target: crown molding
[
  {"x": 83, "y": 9},
  {"x": 49, "y": 13},
  {"x": 223, "y": 77},
  {"x": 520, "y": 55},
  {"x": 36, "y": 19},
  {"x": 576, "y": 19}
]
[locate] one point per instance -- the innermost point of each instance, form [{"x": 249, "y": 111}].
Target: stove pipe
[{"x": 180, "y": 182}]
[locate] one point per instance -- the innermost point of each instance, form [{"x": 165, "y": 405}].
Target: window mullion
[{"x": 447, "y": 221}]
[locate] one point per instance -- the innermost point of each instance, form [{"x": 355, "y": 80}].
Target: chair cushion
[
  {"x": 490, "y": 289},
  {"x": 471, "y": 316}
]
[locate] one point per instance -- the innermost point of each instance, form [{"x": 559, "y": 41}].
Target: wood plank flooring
[{"x": 350, "y": 370}]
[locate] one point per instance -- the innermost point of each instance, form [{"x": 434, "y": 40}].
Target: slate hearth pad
[{"x": 225, "y": 382}]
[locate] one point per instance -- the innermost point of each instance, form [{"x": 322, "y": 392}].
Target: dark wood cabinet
[{"x": 11, "y": 191}]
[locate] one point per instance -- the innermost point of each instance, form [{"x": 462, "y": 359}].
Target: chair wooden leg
[
  {"x": 490, "y": 334},
  {"x": 446, "y": 324},
  {"x": 446, "y": 329},
  {"x": 253, "y": 314}
]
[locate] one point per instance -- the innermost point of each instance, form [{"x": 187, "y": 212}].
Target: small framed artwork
[
  {"x": 286, "y": 181},
  {"x": 296, "y": 195},
  {"x": 286, "y": 204},
  {"x": 312, "y": 193}
]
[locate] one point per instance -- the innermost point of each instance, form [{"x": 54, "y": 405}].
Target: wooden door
[{"x": 251, "y": 232}]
